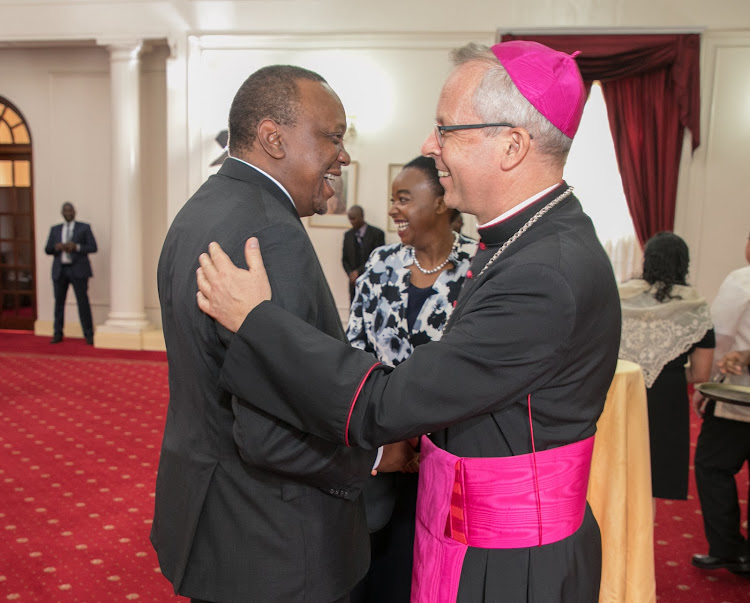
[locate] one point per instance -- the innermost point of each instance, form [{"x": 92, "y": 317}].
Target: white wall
[
  {"x": 64, "y": 97},
  {"x": 713, "y": 210},
  {"x": 75, "y": 19},
  {"x": 387, "y": 60}
]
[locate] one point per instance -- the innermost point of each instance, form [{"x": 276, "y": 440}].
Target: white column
[{"x": 127, "y": 316}]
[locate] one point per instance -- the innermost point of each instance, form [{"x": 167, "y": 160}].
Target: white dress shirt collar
[
  {"x": 255, "y": 167},
  {"x": 518, "y": 208}
]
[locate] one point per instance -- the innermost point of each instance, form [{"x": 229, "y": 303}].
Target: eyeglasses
[{"x": 440, "y": 129}]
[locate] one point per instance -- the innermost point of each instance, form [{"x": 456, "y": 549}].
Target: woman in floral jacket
[
  {"x": 398, "y": 304},
  {"x": 403, "y": 299}
]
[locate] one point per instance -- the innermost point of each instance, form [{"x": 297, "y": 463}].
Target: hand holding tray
[{"x": 725, "y": 392}]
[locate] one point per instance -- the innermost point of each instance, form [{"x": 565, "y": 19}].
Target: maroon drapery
[{"x": 651, "y": 86}]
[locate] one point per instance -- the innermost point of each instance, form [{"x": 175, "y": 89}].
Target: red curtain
[{"x": 651, "y": 86}]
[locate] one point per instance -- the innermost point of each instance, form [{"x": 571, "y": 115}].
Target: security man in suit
[
  {"x": 359, "y": 241},
  {"x": 71, "y": 243}
]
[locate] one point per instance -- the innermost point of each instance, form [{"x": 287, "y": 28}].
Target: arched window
[{"x": 17, "y": 263}]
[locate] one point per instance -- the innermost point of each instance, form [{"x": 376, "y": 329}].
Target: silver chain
[{"x": 525, "y": 227}]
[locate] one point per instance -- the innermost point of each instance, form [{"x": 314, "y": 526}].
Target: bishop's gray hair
[{"x": 497, "y": 99}]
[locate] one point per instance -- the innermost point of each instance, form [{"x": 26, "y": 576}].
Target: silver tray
[{"x": 725, "y": 392}]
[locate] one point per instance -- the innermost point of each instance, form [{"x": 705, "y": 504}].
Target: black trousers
[
  {"x": 723, "y": 447},
  {"x": 80, "y": 287},
  {"x": 392, "y": 552}
]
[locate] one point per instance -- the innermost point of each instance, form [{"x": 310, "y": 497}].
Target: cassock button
[
  {"x": 469, "y": 274},
  {"x": 454, "y": 302},
  {"x": 482, "y": 245}
]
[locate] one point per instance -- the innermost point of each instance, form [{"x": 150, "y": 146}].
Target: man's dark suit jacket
[
  {"x": 80, "y": 266},
  {"x": 247, "y": 508},
  {"x": 353, "y": 258}
]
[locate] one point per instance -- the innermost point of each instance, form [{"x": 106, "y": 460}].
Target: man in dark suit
[
  {"x": 359, "y": 241},
  {"x": 248, "y": 508},
  {"x": 71, "y": 243}
]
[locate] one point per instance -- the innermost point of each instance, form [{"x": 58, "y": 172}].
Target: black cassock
[{"x": 544, "y": 320}]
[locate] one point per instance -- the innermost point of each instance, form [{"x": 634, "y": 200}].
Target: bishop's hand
[{"x": 228, "y": 293}]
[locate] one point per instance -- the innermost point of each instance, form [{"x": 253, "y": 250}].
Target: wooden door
[{"x": 17, "y": 250}]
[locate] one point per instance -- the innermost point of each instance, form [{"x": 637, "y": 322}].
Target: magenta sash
[{"x": 492, "y": 503}]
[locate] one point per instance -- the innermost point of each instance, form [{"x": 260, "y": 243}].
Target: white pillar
[{"x": 127, "y": 316}]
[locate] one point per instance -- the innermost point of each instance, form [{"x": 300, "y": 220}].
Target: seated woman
[
  {"x": 403, "y": 299},
  {"x": 665, "y": 323}
]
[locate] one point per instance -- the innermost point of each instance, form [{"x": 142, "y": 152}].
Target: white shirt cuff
[{"x": 377, "y": 458}]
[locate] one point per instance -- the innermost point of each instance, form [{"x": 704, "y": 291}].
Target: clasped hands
[
  {"x": 399, "y": 456},
  {"x": 69, "y": 247}
]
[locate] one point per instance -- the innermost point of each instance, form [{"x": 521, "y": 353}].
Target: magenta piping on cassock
[{"x": 354, "y": 401}]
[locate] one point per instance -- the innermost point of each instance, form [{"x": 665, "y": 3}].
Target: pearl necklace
[{"x": 436, "y": 268}]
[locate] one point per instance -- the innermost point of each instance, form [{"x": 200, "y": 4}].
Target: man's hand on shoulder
[{"x": 228, "y": 293}]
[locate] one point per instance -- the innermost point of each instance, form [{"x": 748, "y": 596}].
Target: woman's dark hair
[
  {"x": 427, "y": 165},
  {"x": 665, "y": 263}
]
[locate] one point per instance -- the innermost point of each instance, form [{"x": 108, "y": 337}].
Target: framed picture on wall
[
  {"x": 393, "y": 170},
  {"x": 342, "y": 200}
]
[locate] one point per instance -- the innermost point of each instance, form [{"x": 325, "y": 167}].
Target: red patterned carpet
[
  {"x": 678, "y": 534},
  {"x": 81, "y": 430},
  {"x": 79, "y": 446}
]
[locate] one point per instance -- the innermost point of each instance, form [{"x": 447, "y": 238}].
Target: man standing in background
[
  {"x": 724, "y": 441},
  {"x": 71, "y": 243},
  {"x": 359, "y": 242}
]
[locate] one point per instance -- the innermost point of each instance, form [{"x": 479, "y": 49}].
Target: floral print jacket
[{"x": 377, "y": 319}]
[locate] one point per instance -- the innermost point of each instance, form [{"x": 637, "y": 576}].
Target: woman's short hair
[{"x": 665, "y": 263}]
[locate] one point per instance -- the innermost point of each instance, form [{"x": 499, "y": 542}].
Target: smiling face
[
  {"x": 314, "y": 148},
  {"x": 467, "y": 159},
  {"x": 416, "y": 208}
]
